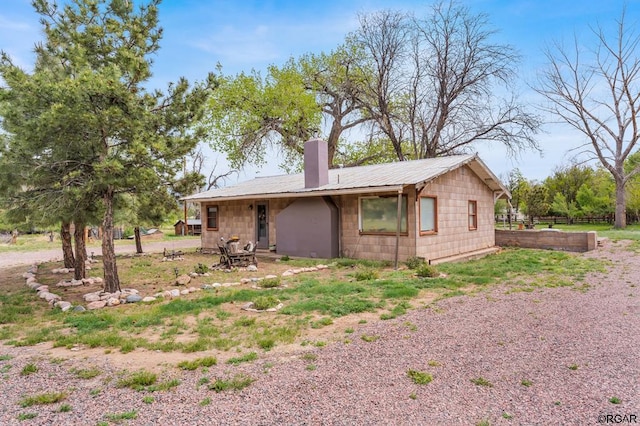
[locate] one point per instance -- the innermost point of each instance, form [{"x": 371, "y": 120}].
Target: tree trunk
[
  {"x": 67, "y": 248},
  {"x": 136, "y": 233},
  {"x": 80, "y": 270},
  {"x": 111, "y": 279},
  {"x": 621, "y": 203}
]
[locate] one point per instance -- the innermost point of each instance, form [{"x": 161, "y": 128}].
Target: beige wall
[
  {"x": 551, "y": 240},
  {"x": 454, "y": 191}
]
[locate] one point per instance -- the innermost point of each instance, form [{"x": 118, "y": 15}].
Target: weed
[
  {"x": 65, "y": 408},
  {"x": 87, "y": 373},
  {"x": 238, "y": 382},
  {"x": 118, "y": 417},
  {"x": 615, "y": 400},
  {"x": 148, "y": 399},
  {"x": 427, "y": 271},
  {"x": 319, "y": 344},
  {"x": 419, "y": 377},
  {"x": 251, "y": 356},
  {"x": 285, "y": 258},
  {"x": 480, "y": 381},
  {"x": 138, "y": 380},
  {"x": 323, "y": 322},
  {"x": 5, "y": 357},
  {"x": 269, "y": 282},
  {"x": 413, "y": 395},
  {"x": 266, "y": 343},
  {"x": 348, "y": 330},
  {"x": 362, "y": 321},
  {"x": 222, "y": 314},
  {"x": 263, "y": 303},
  {"x": 309, "y": 356},
  {"x": 27, "y": 416},
  {"x": 366, "y": 274},
  {"x": 414, "y": 262},
  {"x": 245, "y": 322},
  {"x": 573, "y": 367},
  {"x": 29, "y": 369},
  {"x": 433, "y": 363},
  {"x": 201, "y": 268},
  {"x": 311, "y": 367},
  {"x": 199, "y": 362},
  {"x": 526, "y": 382},
  {"x": 507, "y": 416},
  {"x": 43, "y": 398},
  {"x": 483, "y": 422},
  {"x": 95, "y": 392},
  {"x": 205, "y": 402},
  {"x": 369, "y": 338}
]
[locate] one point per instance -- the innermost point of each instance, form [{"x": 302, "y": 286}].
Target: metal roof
[{"x": 372, "y": 178}]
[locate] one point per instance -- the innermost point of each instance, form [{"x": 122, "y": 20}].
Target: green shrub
[
  {"x": 262, "y": 303},
  {"x": 269, "y": 282},
  {"x": 201, "y": 269},
  {"x": 419, "y": 377},
  {"x": 414, "y": 262},
  {"x": 427, "y": 271},
  {"x": 366, "y": 274}
]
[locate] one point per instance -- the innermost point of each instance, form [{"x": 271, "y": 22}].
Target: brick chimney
[{"x": 316, "y": 163}]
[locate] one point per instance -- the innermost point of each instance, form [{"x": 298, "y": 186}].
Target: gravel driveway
[{"x": 554, "y": 356}]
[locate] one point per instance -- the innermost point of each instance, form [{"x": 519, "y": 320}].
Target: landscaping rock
[
  {"x": 252, "y": 268},
  {"x": 148, "y": 299},
  {"x": 63, "y": 305},
  {"x": 133, "y": 298},
  {"x": 184, "y": 292},
  {"x": 97, "y": 305},
  {"x": 79, "y": 308},
  {"x": 113, "y": 301},
  {"x": 270, "y": 277},
  {"x": 91, "y": 297},
  {"x": 174, "y": 293},
  {"x": 183, "y": 280}
]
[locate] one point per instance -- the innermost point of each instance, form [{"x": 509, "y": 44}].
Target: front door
[{"x": 262, "y": 225}]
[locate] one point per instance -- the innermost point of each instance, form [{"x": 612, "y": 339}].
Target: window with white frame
[{"x": 428, "y": 215}]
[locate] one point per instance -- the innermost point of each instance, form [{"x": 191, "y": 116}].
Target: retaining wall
[{"x": 548, "y": 239}]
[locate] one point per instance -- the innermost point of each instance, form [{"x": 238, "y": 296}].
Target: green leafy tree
[
  {"x": 535, "y": 201},
  {"x": 560, "y": 206},
  {"x": 85, "y": 114},
  {"x": 248, "y": 115}
]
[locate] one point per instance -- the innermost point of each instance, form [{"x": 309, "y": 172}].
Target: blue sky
[{"x": 245, "y": 35}]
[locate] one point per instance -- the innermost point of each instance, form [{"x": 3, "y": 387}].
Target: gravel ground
[{"x": 507, "y": 338}]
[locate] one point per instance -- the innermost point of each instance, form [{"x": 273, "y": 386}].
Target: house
[
  {"x": 194, "y": 227},
  {"x": 445, "y": 205}
]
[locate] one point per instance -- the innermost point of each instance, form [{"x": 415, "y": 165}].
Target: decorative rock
[
  {"x": 113, "y": 301},
  {"x": 79, "y": 308},
  {"x": 174, "y": 293},
  {"x": 97, "y": 305},
  {"x": 64, "y": 306},
  {"x": 206, "y": 286},
  {"x": 183, "y": 280},
  {"x": 130, "y": 291},
  {"x": 206, "y": 274},
  {"x": 91, "y": 297},
  {"x": 42, "y": 288},
  {"x": 34, "y": 285},
  {"x": 28, "y": 275},
  {"x": 133, "y": 298},
  {"x": 287, "y": 273},
  {"x": 76, "y": 282},
  {"x": 88, "y": 281},
  {"x": 216, "y": 285},
  {"x": 270, "y": 277},
  {"x": 193, "y": 275},
  {"x": 148, "y": 299},
  {"x": 98, "y": 280},
  {"x": 193, "y": 289},
  {"x": 185, "y": 291},
  {"x": 31, "y": 280},
  {"x": 49, "y": 297},
  {"x": 252, "y": 268},
  {"x": 245, "y": 280}
]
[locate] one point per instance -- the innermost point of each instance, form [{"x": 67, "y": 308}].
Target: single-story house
[
  {"x": 434, "y": 208},
  {"x": 194, "y": 227}
]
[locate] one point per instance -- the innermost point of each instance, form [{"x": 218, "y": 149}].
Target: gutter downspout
[{"x": 398, "y": 225}]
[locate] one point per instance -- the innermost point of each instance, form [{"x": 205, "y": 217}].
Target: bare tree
[
  {"x": 440, "y": 83},
  {"x": 599, "y": 96}
]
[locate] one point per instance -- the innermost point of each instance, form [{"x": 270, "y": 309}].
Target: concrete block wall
[{"x": 550, "y": 240}]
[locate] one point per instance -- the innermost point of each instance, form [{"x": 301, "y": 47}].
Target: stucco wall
[
  {"x": 454, "y": 191},
  {"x": 554, "y": 240}
]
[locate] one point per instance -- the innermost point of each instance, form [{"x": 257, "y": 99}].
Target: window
[
  {"x": 428, "y": 215},
  {"x": 379, "y": 215},
  {"x": 473, "y": 215},
  {"x": 212, "y": 217}
]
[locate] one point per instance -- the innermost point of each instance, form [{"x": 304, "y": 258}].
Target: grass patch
[
  {"x": 419, "y": 377},
  {"x": 526, "y": 382},
  {"x": 29, "y": 369},
  {"x": 27, "y": 416},
  {"x": 262, "y": 303},
  {"x": 43, "y": 399},
  {"x": 269, "y": 283},
  {"x": 119, "y": 417},
  {"x": 251, "y": 356},
  {"x": 65, "y": 408},
  {"x": 199, "y": 362},
  {"x": 86, "y": 373},
  {"x": 139, "y": 380},
  {"x": 481, "y": 381},
  {"x": 236, "y": 383},
  {"x": 369, "y": 338},
  {"x": 615, "y": 400}
]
